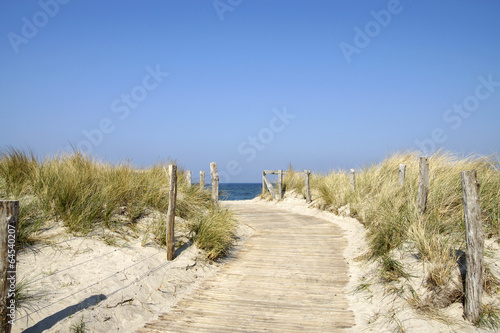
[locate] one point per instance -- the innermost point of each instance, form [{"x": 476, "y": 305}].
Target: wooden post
[
  {"x": 474, "y": 239},
  {"x": 308, "y": 186},
  {"x": 353, "y": 179},
  {"x": 263, "y": 182},
  {"x": 172, "y": 197},
  {"x": 423, "y": 188},
  {"x": 280, "y": 185},
  {"x": 188, "y": 178},
  {"x": 202, "y": 180},
  {"x": 270, "y": 187},
  {"x": 9, "y": 213},
  {"x": 402, "y": 174},
  {"x": 215, "y": 182}
]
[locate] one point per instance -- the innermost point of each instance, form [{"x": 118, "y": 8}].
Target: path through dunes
[{"x": 288, "y": 277}]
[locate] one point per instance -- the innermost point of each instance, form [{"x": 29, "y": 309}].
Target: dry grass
[
  {"x": 85, "y": 193},
  {"x": 391, "y": 216}
]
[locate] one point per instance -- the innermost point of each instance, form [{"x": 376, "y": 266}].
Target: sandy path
[{"x": 290, "y": 276}]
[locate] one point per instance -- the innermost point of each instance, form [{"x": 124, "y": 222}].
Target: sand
[{"x": 117, "y": 284}]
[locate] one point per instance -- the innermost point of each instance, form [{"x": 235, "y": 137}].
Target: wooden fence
[
  {"x": 266, "y": 184},
  {"x": 474, "y": 236}
]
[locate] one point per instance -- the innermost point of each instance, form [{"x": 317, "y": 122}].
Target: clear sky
[{"x": 250, "y": 84}]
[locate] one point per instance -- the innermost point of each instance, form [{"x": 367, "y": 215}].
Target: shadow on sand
[{"x": 69, "y": 311}]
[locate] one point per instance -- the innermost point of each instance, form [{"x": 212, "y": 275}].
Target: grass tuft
[{"x": 214, "y": 231}]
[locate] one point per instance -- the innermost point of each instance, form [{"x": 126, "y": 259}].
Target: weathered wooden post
[
  {"x": 268, "y": 184},
  {"x": 202, "y": 180},
  {"x": 188, "y": 178},
  {"x": 172, "y": 198},
  {"x": 423, "y": 188},
  {"x": 474, "y": 239},
  {"x": 402, "y": 174},
  {"x": 280, "y": 185},
  {"x": 263, "y": 182},
  {"x": 352, "y": 174},
  {"x": 308, "y": 186},
  {"x": 9, "y": 213},
  {"x": 215, "y": 182}
]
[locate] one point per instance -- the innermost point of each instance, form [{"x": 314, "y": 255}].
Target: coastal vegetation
[
  {"x": 396, "y": 229},
  {"x": 84, "y": 194}
]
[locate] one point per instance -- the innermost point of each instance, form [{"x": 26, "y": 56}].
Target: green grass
[
  {"x": 85, "y": 193},
  {"x": 78, "y": 326},
  {"x": 214, "y": 231}
]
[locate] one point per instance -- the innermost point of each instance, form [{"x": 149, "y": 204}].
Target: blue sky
[{"x": 251, "y": 85}]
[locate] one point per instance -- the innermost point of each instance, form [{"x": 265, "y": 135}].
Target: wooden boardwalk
[{"x": 288, "y": 277}]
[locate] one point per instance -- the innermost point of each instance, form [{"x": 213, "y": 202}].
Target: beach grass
[
  {"x": 85, "y": 193},
  {"x": 392, "y": 218},
  {"x": 390, "y": 211}
]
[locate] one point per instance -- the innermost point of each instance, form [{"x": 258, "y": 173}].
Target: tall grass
[
  {"x": 390, "y": 211},
  {"x": 391, "y": 215},
  {"x": 84, "y": 193}
]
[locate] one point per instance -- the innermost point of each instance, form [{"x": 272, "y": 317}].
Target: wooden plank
[
  {"x": 269, "y": 187},
  {"x": 9, "y": 213},
  {"x": 423, "y": 188},
  {"x": 474, "y": 238},
  {"x": 215, "y": 182},
  {"x": 172, "y": 198}
]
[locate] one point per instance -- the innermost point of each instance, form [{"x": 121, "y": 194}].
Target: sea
[{"x": 239, "y": 191}]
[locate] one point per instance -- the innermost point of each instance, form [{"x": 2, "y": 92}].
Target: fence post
[
  {"x": 280, "y": 185},
  {"x": 308, "y": 186},
  {"x": 263, "y": 182},
  {"x": 202, "y": 180},
  {"x": 215, "y": 182},
  {"x": 188, "y": 178},
  {"x": 402, "y": 174},
  {"x": 423, "y": 188},
  {"x": 172, "y": 197},
  {"x": 474, "y": 239},
  {"x": 353, "y": 179},
  {"x": 9, "y": 213}
]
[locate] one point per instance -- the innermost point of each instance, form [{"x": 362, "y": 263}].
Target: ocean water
[{"x": 239, "y": 191}]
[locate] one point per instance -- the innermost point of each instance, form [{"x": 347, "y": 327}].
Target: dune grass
[
  {"x": 85, "y": 193},
  {"x": 391, "y": 215},
  {"x": 390, "y": 211}
]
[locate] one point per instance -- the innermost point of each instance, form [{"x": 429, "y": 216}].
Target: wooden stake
[
  {"x": 402, "y": 174},
  {"x": 172, "y": 198},
  {"x": 263, "y": 182},
  {"x": 423, "y": 188},
  {"x": 202, "y": 180},
  {"x": 280, "y": 185},
  {"x": 353, "y": 179},
  {"x": 270, "y": 187},
  {"x": 9, "y": 213},
  {"x": 188, "y": 178},
  {"x": 215, "y": 182},
  {"x": 474, "y": 239},
  {"x": 308, "y": 186}
]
